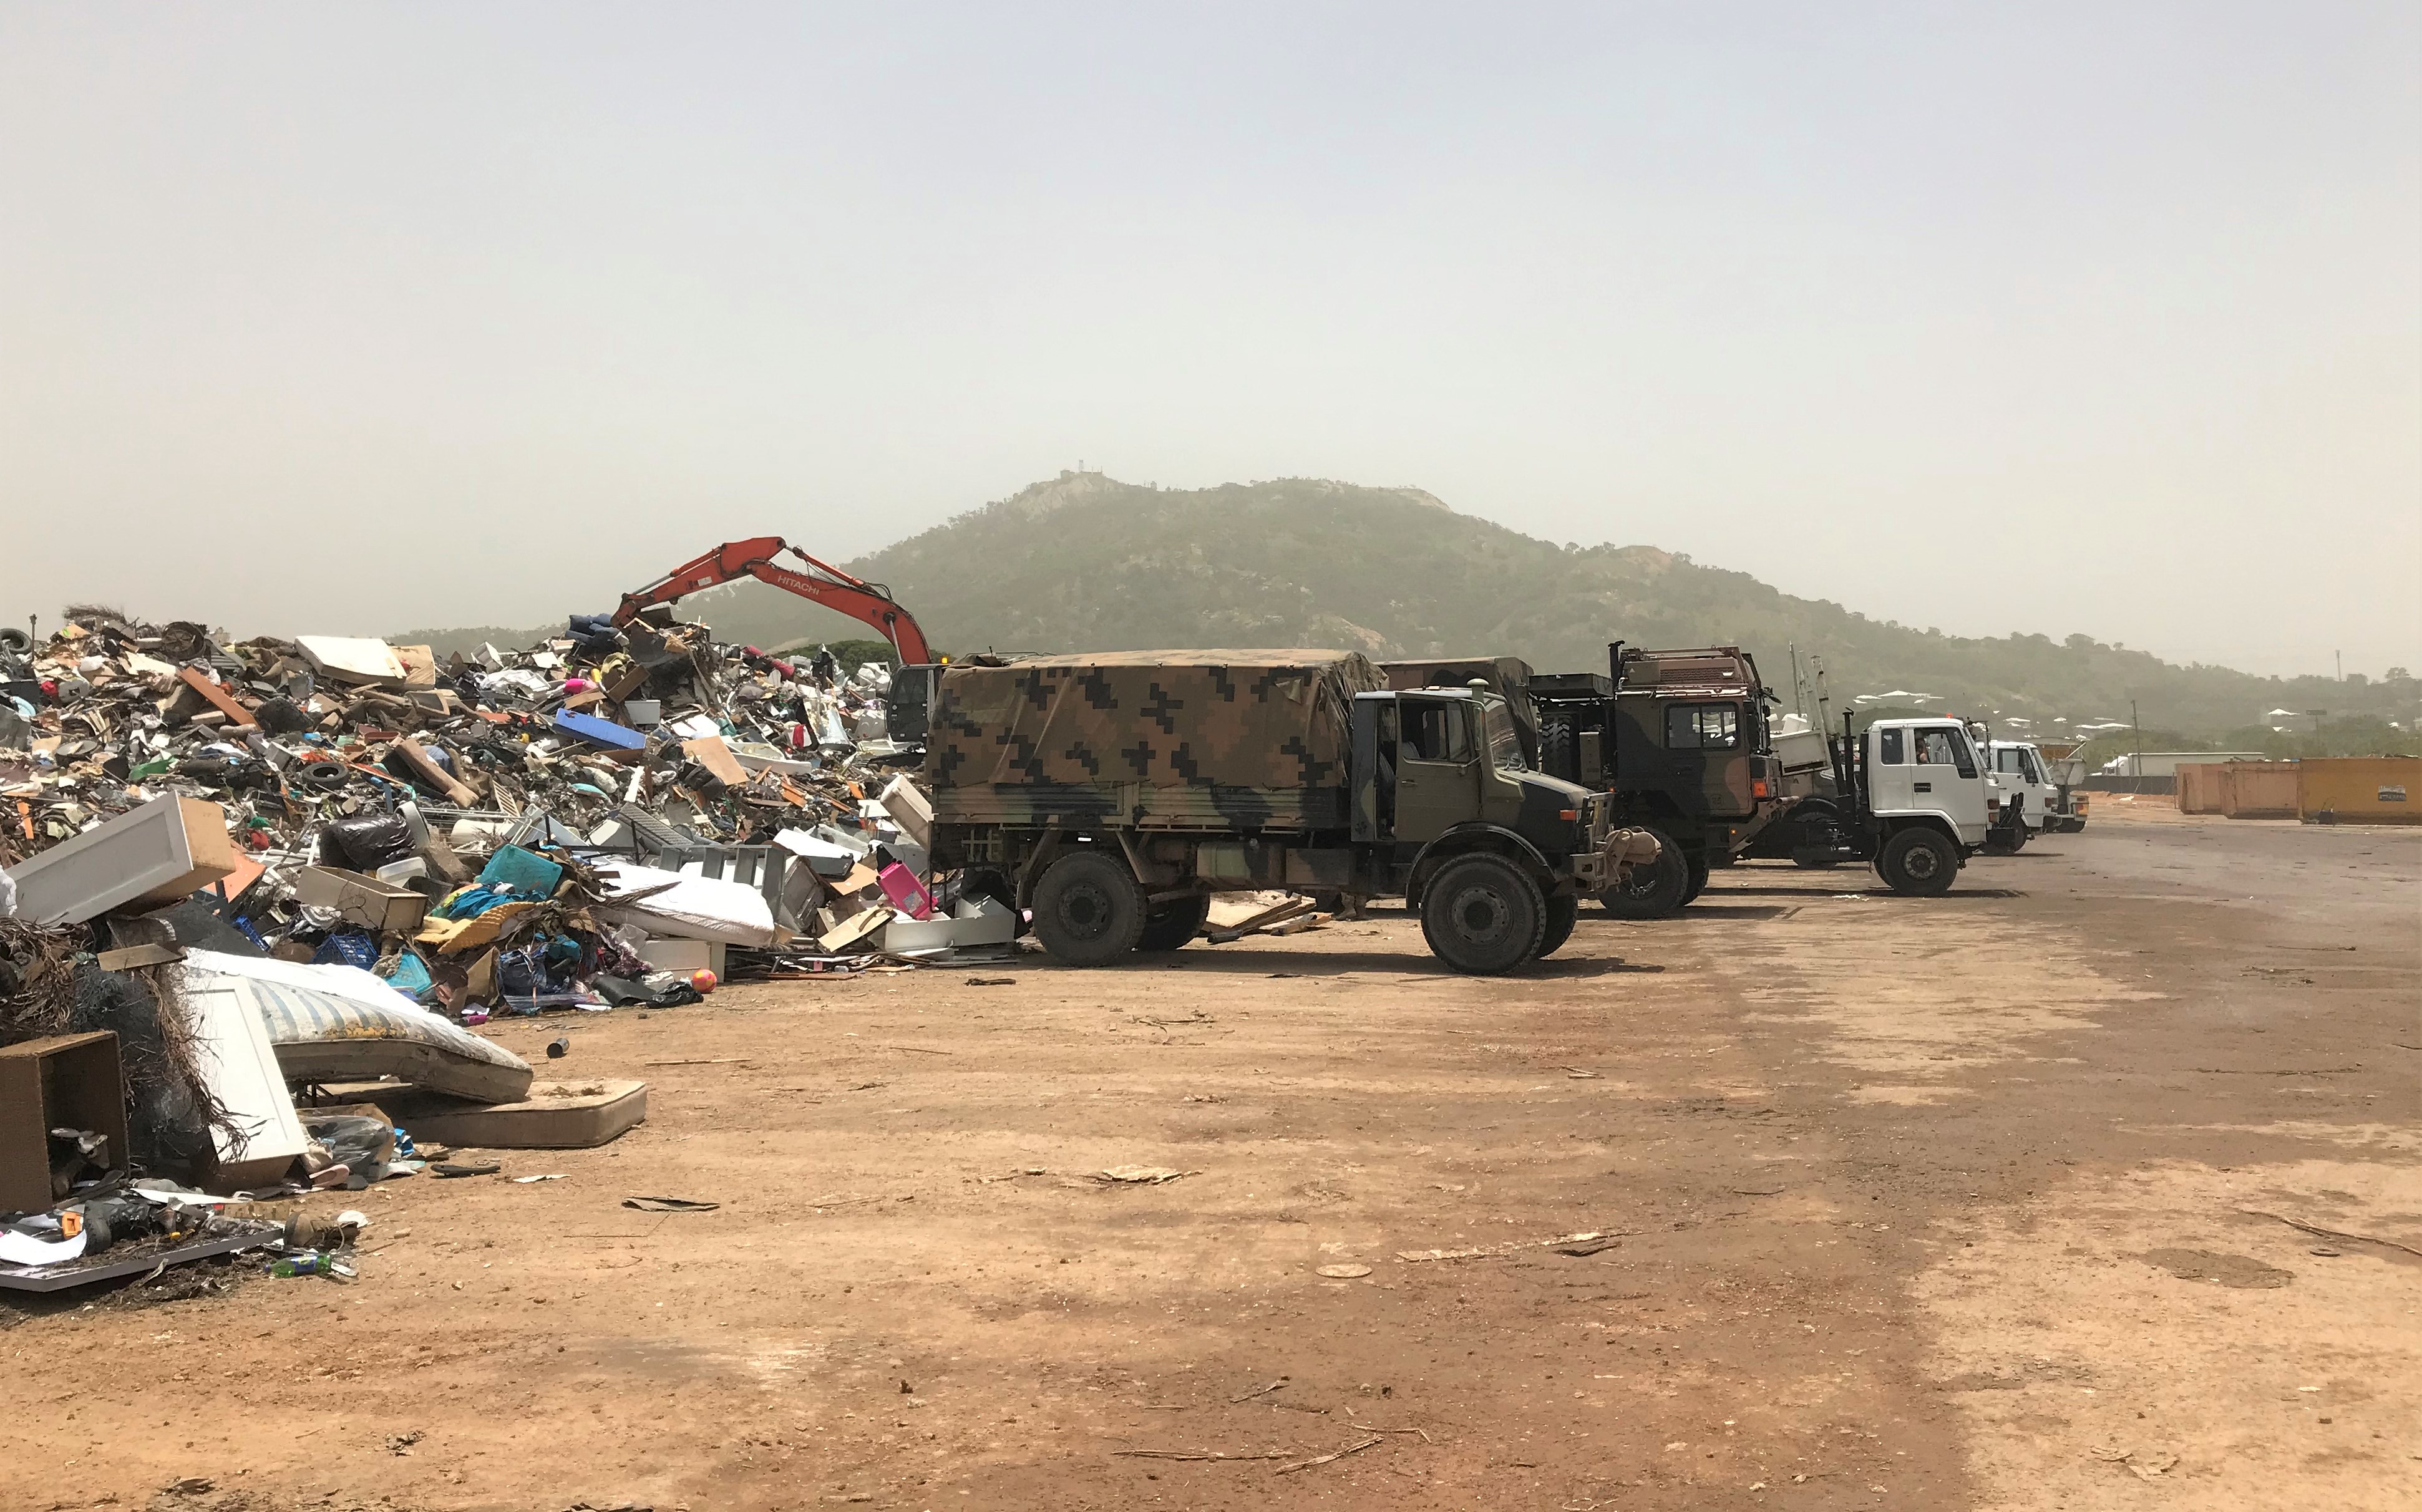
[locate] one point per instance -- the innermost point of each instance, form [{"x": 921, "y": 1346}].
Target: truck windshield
[{"x": 1504, "y": 743}]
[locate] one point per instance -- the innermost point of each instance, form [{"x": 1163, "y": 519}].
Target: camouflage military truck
[
  {"x": 1680, "y": 741},
  {"x": 1112, "y": 794}
]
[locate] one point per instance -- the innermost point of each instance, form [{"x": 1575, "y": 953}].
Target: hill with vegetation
[{"x": 1086, "y": 562}]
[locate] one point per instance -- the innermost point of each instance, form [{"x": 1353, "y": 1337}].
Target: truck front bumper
[{"x": 1612, "y": 864}]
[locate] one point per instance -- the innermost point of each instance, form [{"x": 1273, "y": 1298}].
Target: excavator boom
[{"x": 822, "y": 583}]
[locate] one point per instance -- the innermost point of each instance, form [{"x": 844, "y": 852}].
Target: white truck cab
[
  {"x": 1926, "y": 768},
  {"x": 1907, "y": 796},
  {"x": 2029, "y": 795}
]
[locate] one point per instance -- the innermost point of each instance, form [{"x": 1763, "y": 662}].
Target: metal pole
[{"x": 2136, "y": 760}]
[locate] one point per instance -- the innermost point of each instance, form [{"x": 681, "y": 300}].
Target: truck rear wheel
[
  {"x": 1698, "y": 880},
  {"x": 1918, "y": 862},
  {"x": 1088, "y": 910},
  {"x": 1563, "y": 911},
  {"x": 1656, "y": 890},
  {"x": 1170, "y": 925},
  {"x": 1483, "y": 916}
]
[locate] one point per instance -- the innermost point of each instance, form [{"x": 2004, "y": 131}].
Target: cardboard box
[
  {"x": 64, "y": 1081},
  {"x": 161, "y": 852},
  {"x": 377, "y": 906}
]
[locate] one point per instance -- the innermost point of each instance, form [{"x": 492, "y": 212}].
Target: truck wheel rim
[
  {"x": 1921, "y": 863},
  {"x": 1480, "y": 913},
  {"x": 1085, "y": 912}
]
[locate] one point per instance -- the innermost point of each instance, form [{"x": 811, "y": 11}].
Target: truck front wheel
[
  {"x": 1088, "y": 910},
  {"x": 1170, "y": 925},
  {"x": 1918, "y": 862},
  {"x": 1656, "y": 890},
  {"x": 1563, "y": 911},
  {"x": 1483, "y": 916}
]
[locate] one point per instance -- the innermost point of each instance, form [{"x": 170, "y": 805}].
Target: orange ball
[{"x": 703, "y": 979}]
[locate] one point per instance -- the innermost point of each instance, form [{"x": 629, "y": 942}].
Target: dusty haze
[{"x": 2058, "y": 320}]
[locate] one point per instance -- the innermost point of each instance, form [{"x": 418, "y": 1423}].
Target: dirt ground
[{"x": 1981, "y": 1202}]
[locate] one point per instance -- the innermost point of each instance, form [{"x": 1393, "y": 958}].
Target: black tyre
[
  {"x": 1918, "y": 862},
  {"x": 1656, "y": 890},
  {"x": 1556, "y": 758},
  {"x": 1088, "y": 910},
  {"x": 1483, "y": 916},
  {"x": 1698, "y": 878},
  {"x": 1170, "y": 925},
  {"x": 1563, "y": 911}
]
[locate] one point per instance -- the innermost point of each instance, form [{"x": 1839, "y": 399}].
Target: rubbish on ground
[
  {"x": 1148, "y": 1175},
  {"x": 559, "y": 1047},
  {"x": 1344, "y": 1272},
  {"x": 526, "y": 1181},
  {"x": 338, "y": 1023},
  {"x": 58, "y": 1082},
  {"x": 1483, "y": 1252},
  {"x": 1231, "y": 918},
  {"x": 970, "y": 924},
  {"x": 669, "y": 1205},
  {"x": 1332, "y": 1454},
  {"x": 450, "y": 1170},
  {"x": 156, "y": 853},
  {"x": 259, "y": 1140},
  {"x": 553, "y": 1116}
]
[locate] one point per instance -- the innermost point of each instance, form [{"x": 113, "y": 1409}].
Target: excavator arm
[{"x": 822, "y": 583}]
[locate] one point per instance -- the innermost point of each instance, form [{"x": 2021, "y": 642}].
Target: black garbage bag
[
  {"x": 660, "y": 991},
  {"x": 364, "y": 842}
]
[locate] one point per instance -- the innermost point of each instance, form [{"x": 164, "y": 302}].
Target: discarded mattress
[
  {"x": 341, "y": 1023},
  {"x": 689, "y": 907}
]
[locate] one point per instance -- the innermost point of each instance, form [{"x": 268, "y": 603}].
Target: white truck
[
  {"x": 1908, "y": 796},
  {"x": 2021, "y": 798}
]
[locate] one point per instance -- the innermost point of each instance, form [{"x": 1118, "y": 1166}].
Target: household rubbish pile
[
  {"x": 233, "y": 871},
  {"x": 633, "y": 804}
]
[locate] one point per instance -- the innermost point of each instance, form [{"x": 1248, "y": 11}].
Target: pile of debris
[
  {"x": 253, "y": 894},
  {"x": 596, "y": 820}
]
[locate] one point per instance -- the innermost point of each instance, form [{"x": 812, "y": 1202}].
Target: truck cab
[
  {"x": 1909, "y": 796},
  {"x": 1681, "y": 742},
  {"x": 2030, "y": 798}
]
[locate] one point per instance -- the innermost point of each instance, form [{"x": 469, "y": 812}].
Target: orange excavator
[{"x": 822, "y": 583}]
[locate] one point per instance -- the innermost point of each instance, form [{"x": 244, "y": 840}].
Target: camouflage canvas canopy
[{"x": 1236, "y": 719}]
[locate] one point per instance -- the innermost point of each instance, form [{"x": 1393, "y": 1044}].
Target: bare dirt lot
[{"x": 1985, "y": 1201}]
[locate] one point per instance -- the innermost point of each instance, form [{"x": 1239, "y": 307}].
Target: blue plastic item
[
  {"x": 411, "y": 975},
  {"x": 351, "y": 948},
  {"x": 597, "y": 731},
  {"x": 528, "y": 874}
]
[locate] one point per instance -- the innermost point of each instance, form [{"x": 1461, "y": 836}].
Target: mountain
[{"x": 1084, "y": 562}]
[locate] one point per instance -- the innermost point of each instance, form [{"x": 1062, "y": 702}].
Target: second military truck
[{"x": 1112, "y": 794}]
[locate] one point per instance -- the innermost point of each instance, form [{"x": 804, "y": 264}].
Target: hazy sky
[{"x": 2049, "y": 318}]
